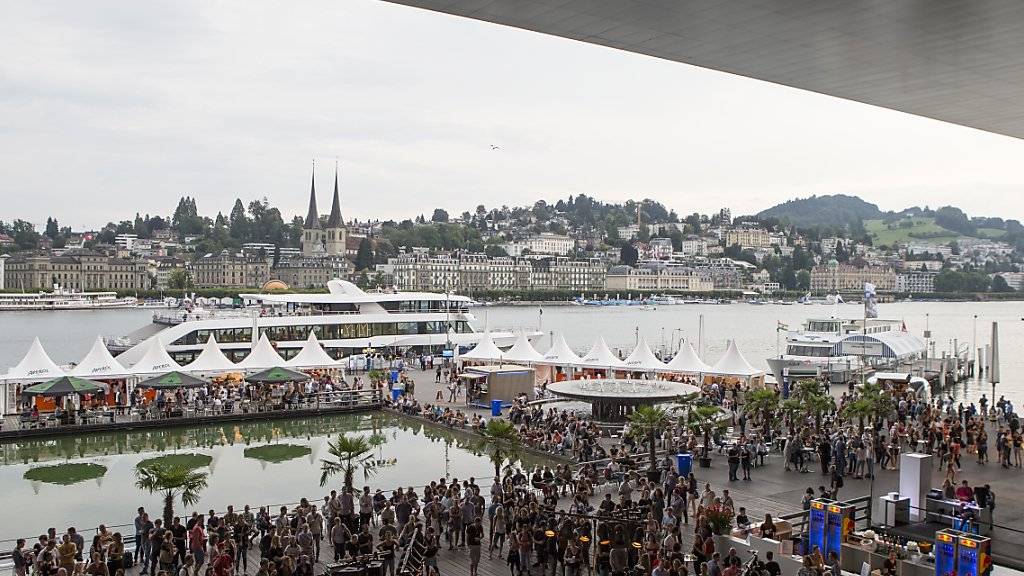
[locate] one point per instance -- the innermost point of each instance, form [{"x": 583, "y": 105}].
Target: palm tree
[
  {"x": 645, "y": 423},
  {"x": 502, "y": 442},
  {"x": 172, "y": 481},
  {"x": 861, "y": 409},
  {"x": 762, "y": 402},
  {"x": 704, "y": 419},
  {"x": 352, "y": 452}
]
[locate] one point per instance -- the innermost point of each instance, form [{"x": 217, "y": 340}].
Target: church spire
[
  {"x": 335, "y": 221},
  {"x": 312, "y": 217}
]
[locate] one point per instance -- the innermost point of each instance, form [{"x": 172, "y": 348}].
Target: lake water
[
  {"x": 68, "y": 335},
  {"x": 424, "y": 452}
]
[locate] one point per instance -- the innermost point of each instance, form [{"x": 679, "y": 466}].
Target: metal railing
[{"x": 861, "y": 513}]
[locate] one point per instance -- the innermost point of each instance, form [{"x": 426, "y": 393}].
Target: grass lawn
[
  {"x": 925, "y": 229},
  {"x": 277, "y": 453},
  {"x": 65, "y": 474},
  {"x": 190, "y": 461},
  {"x": 991, "y": 233}
]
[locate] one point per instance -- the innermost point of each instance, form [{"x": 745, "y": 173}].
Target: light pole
[{"x": 974, "y": 346}]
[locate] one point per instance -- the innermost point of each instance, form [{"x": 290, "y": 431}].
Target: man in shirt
[
  {"x": 474, "y": 537},
  {"x": 315, "y": 520},
  {"x": 771, "y": 565}
]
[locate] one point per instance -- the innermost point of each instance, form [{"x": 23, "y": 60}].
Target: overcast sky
[{"x": 108, "y": 108}]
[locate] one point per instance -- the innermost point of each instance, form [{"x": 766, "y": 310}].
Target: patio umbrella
[
  {"x": 277, "y": 376},
  {"x": 172, "y": 380},
  {"x": 63, "y": 386}
]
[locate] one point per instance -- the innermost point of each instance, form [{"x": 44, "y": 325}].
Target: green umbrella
[
  {"x": 63, "y": 386},
  {"x": 277, "y": 376},
  {"x": 172, "y": 380}
]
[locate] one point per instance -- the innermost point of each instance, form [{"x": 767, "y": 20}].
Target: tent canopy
[
  {"x": 99, "y": 363},
  {"x": 278, "y": 375},
  {"x": 261, "y": 357},
  {"x": 687, "y": 362},
  {"x": 485, "y": 350},
  {"x": 211, "y": 359},
  {"x": 155, "y": 360},
  {"x": 522, "y": 351},
  {"x": 312, "y": 355},
  {"x": 172, "y": 380},
  {"x": 560, "y": 354},
  {"x": 35, "y": 366},
  {"x": 600, "y": 356},
  {"x": 641, "y": 359},
  {"x": 64, "y": 386},
  {"x": 734, "y": 364}
]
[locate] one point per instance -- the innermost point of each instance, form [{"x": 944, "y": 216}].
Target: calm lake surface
[{"x": 423, "y": 453}]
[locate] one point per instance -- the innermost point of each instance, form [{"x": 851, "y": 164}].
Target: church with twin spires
[{"x": 324, "y": 239}]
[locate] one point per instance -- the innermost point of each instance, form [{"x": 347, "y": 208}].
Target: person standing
[
  {"x": 474, "y": 539},
  {"x": 140, "y": 531}
]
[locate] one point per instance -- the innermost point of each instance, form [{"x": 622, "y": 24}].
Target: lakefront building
[
  {"x": 228, "y": 270},
  {"x": 75, "y": 270},
  {"x": 466, "y": 273},
  {"x": 664, "y": 279},
  {"x": 836, "y": 277}
]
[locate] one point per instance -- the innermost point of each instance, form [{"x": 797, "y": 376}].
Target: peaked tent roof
[
  {"x": 522, "y": 351},
  {"x": 641, "y": 359},
  {"x": 560, "y": 354},
  {"x": 334, "y": 220},
  {"x": 35, "y": 366},
  {"x": 98, "y": 363},
  {"x": 262, "y": 356},
  {"x": 486, "y": 349},
  {"x": 210, "y": 359},
  {"x": 687, "y": 361},
  {"x": 600, "y": 356},
  {"x": 155, "y": 360},
  {"x": 312, "y": 216},
  {"x": 172, "y": 380},
  {"x": 734, "y": 364},
  {"x": 278, "y": 375},
  {"x": 63, "y": 386},
  {"x": 311, "y": 355}
]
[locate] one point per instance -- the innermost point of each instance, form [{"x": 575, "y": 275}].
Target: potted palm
[
  {"x": 704, "y": 419},
  {"x": 645, "y": 423}
]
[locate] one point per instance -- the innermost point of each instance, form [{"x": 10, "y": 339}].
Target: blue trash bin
[
  {"x": 495, "y": 408},
  {"x": 395, "y": 394},
  {"x": 684, "y": 463},
  {"x": 394, "y": 376}
]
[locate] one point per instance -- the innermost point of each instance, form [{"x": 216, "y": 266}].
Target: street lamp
[{"x": 974, "y": 346}]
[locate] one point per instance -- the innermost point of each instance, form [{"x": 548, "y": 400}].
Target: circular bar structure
[{"x": 613, "y": 399}]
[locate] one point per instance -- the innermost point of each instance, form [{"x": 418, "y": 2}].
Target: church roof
[
  {"x": 312, "y": 217},
  {"x": 335, "y": 221}
]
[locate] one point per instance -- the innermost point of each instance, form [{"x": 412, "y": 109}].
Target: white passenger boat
[
  {"x": 61, "y": 299},
  {"x": 346, "y": 320}
]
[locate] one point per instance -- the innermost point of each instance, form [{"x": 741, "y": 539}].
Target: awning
[
  {"x": 172, "y": 380},
  {"x": 261, "y": 356},
  {"x": 99, "y": 363},
  {"x": 485, "y": 350},
  {"x": 64, "y": 386},
  {"x": 312, "y": 355},
  {"x": 892, "y": 344},
  {"x": 687, "y": 362},
  {"x": 641, "y": 359},
  {"x": 560, "y": 354},
  {"x": 210, "y": 359},
  {"x": 35, "y": 366},
  {"x": 600, "y": 356},
  {"x": 472, "y": 375},
  {"x": 734, "y": 364}
]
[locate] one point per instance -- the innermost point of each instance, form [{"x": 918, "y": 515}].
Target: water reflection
[{"x": 255, "y": 432}]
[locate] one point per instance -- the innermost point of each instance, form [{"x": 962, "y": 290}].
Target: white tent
[
  {"x": 560, "y": 354},
  {"x": 210, "y": 359},
  {"x": 641, "y": 359},
  {"x": 99, "y": 363},
  {"x": 734, "y": 364},
  {"x": 522, "y": 351},
  {"x": 155, "y": 360},
  {"x": 600, "y": 356},
  {"x": 36, "y": 366},
  {"x": 261, "y": 357},
  {"x": 687, "y": 362},
  {"x": 485, "y": 350},
  {"x": 312, "y": 355}
]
